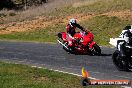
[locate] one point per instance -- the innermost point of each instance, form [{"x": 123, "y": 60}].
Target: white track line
[
  {"x": 75, "y": 75},
  {"x": 64, "y": 72},
  {"x": 126, "y": 87}
]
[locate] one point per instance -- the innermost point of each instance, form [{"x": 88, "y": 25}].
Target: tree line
[{"x": 17, "y": 4}]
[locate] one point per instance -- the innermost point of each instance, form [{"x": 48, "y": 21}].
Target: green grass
[
  {"x": 97, "y": 7},
  {"x": 23, "y": 76},
  {"x": 104, "y": 28},
  {"x": 47, "y": 34}
]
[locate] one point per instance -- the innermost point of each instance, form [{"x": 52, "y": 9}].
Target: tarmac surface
[{"x": 52, "y": 56}]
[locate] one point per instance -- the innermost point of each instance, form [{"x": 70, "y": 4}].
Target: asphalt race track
[{"x": 52, "y": 56}]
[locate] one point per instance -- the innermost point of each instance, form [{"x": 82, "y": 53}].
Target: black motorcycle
[{"x": 123, "y": 62}]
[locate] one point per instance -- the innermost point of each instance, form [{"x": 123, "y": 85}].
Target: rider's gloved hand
[{"x": 85, "y": 31}]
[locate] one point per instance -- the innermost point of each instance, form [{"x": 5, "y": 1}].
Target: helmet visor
[{"x": 73, "y": 24}]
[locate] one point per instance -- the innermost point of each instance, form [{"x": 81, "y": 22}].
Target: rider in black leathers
[{"x": 126, "y": 34}]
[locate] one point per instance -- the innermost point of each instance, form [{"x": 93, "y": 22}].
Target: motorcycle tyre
[
  {"x": 120, "y": 62},
  {"x": 96, "y": 50}
]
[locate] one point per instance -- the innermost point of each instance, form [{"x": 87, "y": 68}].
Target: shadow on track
[{"x": 103, "y": 54}]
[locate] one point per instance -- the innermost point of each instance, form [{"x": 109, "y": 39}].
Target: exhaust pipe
[{"x": 63, "y": 44}]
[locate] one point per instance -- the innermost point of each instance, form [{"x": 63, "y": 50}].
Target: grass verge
[
  {"x": 23, "y": 76},
  {"x": 47, "y": 34},
  {"x": 102, "y": 27}
]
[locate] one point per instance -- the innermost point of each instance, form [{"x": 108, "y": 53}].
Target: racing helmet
[
  {"x": 128, "y": 27},
  {"x": 73, "y": 22}
]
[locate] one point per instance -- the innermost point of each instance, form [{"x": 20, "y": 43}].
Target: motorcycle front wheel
[
  {"x": 120, "y": 62},
  {"x": 69, "y": 49}
]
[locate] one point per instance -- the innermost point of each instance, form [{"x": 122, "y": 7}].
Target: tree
[{"x": 7, "y": 4}]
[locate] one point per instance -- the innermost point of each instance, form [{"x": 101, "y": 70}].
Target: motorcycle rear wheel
[{"x": 96, "y": 50}]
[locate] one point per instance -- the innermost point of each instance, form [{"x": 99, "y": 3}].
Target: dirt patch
[
  {"x": 42, "y": 22},
  {"x": 22, "y": 26},
  {"x": 39, "y": 22},
  {"x": 127, "y": 14},
  {"x": 11, "y": 24}
]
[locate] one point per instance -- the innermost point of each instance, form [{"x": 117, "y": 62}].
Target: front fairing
[{"x": 87, "y": 38}]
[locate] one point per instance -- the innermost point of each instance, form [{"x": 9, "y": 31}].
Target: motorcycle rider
[
  {"x": 126, "y": 34},
  {"x": 71, "y": 27}
]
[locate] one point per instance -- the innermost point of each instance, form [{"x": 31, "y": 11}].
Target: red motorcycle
[{"x": 81, "y": 43}]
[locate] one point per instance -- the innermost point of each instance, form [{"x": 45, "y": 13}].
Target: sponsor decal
[{"x": 86, "y": 81}]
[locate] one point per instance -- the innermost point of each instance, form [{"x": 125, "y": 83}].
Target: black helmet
[{"x": 128, "y": 27}]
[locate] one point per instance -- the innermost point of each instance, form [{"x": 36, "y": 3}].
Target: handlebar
[{"x": 83, "y": 32}]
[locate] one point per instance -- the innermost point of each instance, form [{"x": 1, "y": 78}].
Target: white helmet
[{"x": 72, "y": 22}]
